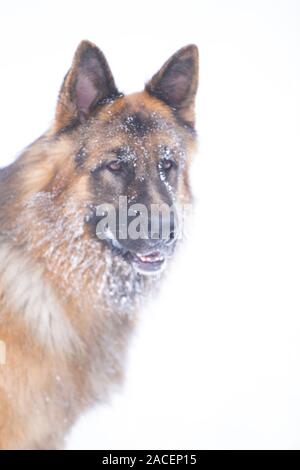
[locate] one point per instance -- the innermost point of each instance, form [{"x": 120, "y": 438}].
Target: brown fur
[{"x": 67, "y": 306}]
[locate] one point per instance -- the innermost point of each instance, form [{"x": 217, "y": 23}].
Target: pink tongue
[{"x": 151, "y": 257}]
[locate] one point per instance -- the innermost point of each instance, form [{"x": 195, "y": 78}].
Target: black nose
[{"x": 163, "y": 229}]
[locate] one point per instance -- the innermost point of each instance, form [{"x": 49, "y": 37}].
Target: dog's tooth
[{"x": 150, "y": 258}]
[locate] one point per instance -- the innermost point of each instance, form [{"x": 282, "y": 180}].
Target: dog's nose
[
  {"x": 163, "y": 230},
  {"x": 172, "y": 237}
]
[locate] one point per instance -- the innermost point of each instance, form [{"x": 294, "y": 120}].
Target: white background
[{"x": 215, "y": 362}]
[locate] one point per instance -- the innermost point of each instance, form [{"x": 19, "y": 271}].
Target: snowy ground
[{"x": 215, "y": 362}]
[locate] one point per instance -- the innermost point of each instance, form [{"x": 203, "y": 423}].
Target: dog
[{"x": 71, "y": 291}]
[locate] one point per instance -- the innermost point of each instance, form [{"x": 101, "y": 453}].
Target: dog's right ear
[{"x": 88, "y": 83}]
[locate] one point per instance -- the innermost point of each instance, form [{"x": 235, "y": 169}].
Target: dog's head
[{"x": 130, "y": 154}]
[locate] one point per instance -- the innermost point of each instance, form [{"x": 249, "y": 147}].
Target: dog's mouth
[
  {"x": 145, "y": 257},
  {"x": 144, "y": 263},
  {"x": 149, "y": 263}
]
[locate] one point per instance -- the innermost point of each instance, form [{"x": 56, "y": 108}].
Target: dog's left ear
[
  {"x": 176, "y": 83},
  {"x": 88, "y": 83}
]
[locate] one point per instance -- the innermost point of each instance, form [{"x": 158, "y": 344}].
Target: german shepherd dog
[{"x": 69, "y": 298}]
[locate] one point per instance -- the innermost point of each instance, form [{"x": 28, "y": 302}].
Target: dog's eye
[
  {"x": 167, "y": 164},
  {"x": 114, "y": 166}
]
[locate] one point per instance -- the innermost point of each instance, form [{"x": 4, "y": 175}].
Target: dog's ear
[
  {"x": 176, "y": 83},
  {"x": 88, "y": 83}
]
